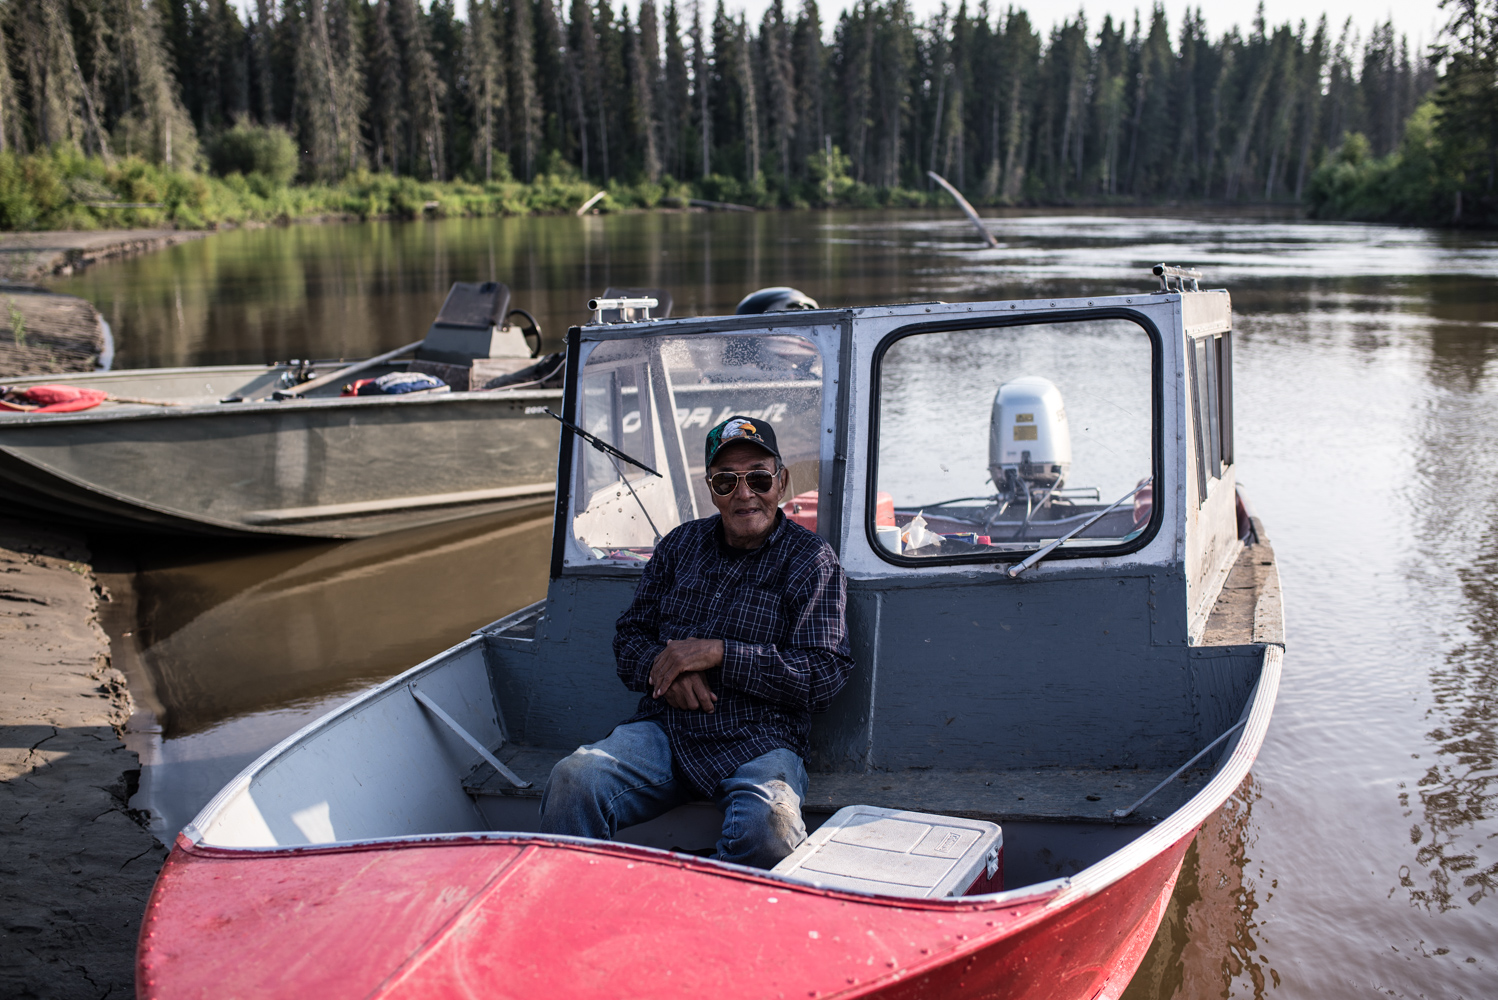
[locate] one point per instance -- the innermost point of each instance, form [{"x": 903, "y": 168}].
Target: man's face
[{"x": 748, "y": 517}]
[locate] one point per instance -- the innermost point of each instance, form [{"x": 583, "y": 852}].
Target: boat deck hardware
[
  {"x": 1123, "y": 813},
  {"x": 643, "y": 303},
  {"x": 1183, "y": 276},
  {"x": 468, "y": 738}
]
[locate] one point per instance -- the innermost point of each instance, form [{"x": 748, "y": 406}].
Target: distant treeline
[
  {"x": 770, "y": 112},
  {"x": 1445, "y": 168}
]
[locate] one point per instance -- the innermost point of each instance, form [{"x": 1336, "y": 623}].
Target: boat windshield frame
[
  {"x": 993, "y": 321},
  {"x": 828, "y": 330}
]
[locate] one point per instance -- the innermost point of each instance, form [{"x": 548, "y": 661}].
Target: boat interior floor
[{"x": 1056, "y": 821}]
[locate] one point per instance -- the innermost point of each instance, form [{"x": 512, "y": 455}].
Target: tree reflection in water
[
  {"x": 1458, "y": 791},
  {"x": 1209, "y": 941}
]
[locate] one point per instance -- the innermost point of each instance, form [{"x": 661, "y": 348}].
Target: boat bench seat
[{"x": 1038, "y": 794}]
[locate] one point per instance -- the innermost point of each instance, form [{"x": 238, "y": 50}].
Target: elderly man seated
[{"x": 736, "y": 635}]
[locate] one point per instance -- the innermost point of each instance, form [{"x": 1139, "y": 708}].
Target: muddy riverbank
[
  {"x": 27, "y": 257},
  {"x": 77, "y": 864},
  {"x": 42, "y": 332}
]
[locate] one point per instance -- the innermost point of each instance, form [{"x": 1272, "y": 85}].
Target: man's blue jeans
[{"x": 627, "y": 779}]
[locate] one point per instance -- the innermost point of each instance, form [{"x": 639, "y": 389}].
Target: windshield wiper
[
  {"x": 1040, "y": 554},
  {"x": 601, "y": 445},
  {"x": 614, "y": 454}
]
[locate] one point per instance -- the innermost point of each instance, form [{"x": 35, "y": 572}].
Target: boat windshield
[
  {"x": 655, "y": 399},
  {"x": 998, "y": 440}
]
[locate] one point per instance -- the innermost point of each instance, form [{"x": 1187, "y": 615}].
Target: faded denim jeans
[{"x": 627, "y": 779}]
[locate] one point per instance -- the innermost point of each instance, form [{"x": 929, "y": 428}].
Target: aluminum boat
[
  {"x": 1094, "y": 676},
  {"x": 285, "y": 449}
]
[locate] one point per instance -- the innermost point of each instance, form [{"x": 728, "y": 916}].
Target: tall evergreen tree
[
  {"x": 702, "y": 89},
  {"x": 775, "y": 58},
  {"x": 525, "y": 110},
  {"x": 388, "y": 109},
  {"x": 1467, "y": 99},
  {"x": 675, "y": 108},
  {"x": 486, "y": 83},
  {"x": 809, "y": 74},
  {"x": 587, "y": 78},
  {"x": 154, "y": 123},
  {"x": 646, "y": 90},
  {"x": 749, "y": 96},
  {"x": 330, "y": 94}
]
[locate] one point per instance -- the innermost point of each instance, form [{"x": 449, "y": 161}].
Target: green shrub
[{"x": 267, "y": 150}]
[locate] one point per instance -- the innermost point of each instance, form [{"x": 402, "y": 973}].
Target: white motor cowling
[{"x": 1028, "y": 438}]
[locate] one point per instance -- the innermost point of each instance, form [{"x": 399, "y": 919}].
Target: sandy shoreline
[{"x": 78, "y": 865}]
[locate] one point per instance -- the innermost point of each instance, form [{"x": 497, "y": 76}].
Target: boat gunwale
[
  {"x": 146, "y": 411},
  {"x": 1182, "y": 822}
]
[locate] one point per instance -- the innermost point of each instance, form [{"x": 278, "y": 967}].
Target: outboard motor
[
  {"x": 1029, "y": 442},
  {"x": 777, "y": 299}
]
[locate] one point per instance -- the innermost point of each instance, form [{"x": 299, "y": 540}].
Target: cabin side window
[
  {"x": 993, "y": 442},
  {"x": 655, "y": 399},
  {"x": 1211, "y": 360}
]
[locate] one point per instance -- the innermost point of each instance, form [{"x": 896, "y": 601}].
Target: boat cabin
[{"x": 1055, "y": 598}]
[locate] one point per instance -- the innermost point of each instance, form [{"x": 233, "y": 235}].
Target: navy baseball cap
[{"x": 741, "y": 428}]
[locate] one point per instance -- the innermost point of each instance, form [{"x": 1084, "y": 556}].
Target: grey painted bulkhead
[{"x": 1091, "y": 663}]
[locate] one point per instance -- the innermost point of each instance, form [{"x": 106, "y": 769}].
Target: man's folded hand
[
  {"x": 690, "y": 692},
  {"x": 683, "y": 656}
]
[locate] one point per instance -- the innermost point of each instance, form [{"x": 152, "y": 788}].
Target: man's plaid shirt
[{"x": 780, "y": 611}]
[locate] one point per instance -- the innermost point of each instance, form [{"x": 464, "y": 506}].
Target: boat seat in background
[
  {"x": 477, "y": 305},
  {"x": 471, "y": 325}
]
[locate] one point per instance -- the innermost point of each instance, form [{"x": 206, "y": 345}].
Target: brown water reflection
[
  {"x": 355, "y": 290},
  {"x": 1458, "y": 790},
  {"x": 1207, "y": 940},
  {"x": 226, "y": 631}
]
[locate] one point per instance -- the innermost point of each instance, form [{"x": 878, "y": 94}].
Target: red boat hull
[{"x": 474, "y": 917}]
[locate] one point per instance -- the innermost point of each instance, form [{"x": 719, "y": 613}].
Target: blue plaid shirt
[{"x": 780, "y": 611}]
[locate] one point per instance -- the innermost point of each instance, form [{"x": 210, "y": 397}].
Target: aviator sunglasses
[{"x": 724, "y": 483}]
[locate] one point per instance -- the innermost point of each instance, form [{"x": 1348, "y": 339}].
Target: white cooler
[{"x": 897, "y": 853}]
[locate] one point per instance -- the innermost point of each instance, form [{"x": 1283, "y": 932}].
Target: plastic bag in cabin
[
  {"x": 917, "y": 535},
  {"x": 51, "y": 399},
  {"x": 396, "y": 384}
]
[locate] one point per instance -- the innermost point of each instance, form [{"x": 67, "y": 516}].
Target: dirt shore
[
  {"x": 77, "y": 865},
  {"x": 27, "y": 257},
  {"x": 42, "y": 332}
]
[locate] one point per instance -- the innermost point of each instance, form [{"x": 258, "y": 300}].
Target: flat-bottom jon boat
[
  {"x": 284, "y": 449},
  {"x": 281, "y": 450},
  {"x": 1096, "y": 693}
]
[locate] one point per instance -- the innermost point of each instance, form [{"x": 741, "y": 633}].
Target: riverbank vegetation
[
  {"x": 388, "y": 107},
  {"x": 1445, "y": 167}
]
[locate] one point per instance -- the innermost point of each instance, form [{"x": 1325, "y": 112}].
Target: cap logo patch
[{"x": 738, "y": 428}]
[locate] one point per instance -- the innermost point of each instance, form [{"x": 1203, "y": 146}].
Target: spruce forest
[{"x": 652, "y": 103}]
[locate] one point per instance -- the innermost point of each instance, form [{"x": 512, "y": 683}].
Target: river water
[{"x": 1362, "y": 854}]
